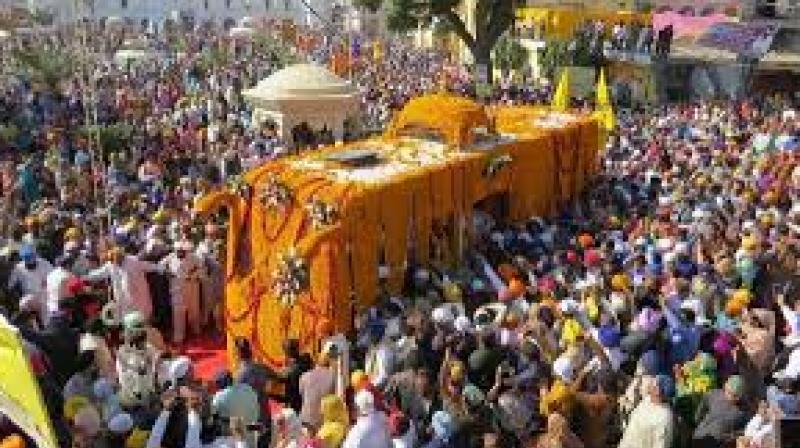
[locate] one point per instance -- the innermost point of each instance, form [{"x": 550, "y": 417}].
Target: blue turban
[
  {"x": 609, "y": 336},
  {"x": 651, "y": 362},
  {"x": 27, "y": 252},
  {"x": 666, "y": 386},
  {"x": 443, "y": 425}
]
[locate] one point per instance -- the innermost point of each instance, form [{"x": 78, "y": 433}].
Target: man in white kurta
[
  {"x": 371, "y": 430},
  {"x": 56, "y": 288},
  {"x": 186, "y": 272},
  {"x": 128, "y": 283},
  {"x": 652, "y": 423},
  {"x": 30, "y": 276}
]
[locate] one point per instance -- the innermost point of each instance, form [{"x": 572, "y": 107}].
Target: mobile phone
[{"x": 254, "y": 427}]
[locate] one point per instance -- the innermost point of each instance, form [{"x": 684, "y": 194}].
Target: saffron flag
[
  {"x": 561, "y": 96},
  {"x": 20, "y": 398},
  {"x": 377, "y": 51},
  {"x": 604, "y": 110}
]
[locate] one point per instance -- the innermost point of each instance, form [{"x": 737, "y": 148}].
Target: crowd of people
[{"x": 659, "y": 309}]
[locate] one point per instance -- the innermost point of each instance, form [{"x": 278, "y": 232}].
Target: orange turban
[
  {"x": 585, "y": 240},
  {"x": 620, "y": 282},
  {"x": 749, "y": 243},
  {"x": 359, "y": 380},
  {"x": 507, "y": 272},
  {"x": 13, "y": 441},
  {"x": 770, "y": 198},
  {"x": 456, "y": 370},
  {"x": 72, "y": 234},
  {"x": 516, "y": 288},
  {"x": 734, "y": 308}
]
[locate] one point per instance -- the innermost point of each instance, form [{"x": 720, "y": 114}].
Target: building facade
[{"x": 301, "y": 12}]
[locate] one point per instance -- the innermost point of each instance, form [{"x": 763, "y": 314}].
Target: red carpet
[{"x": 208, "y": 356}]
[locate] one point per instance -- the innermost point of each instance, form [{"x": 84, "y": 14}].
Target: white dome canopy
[
  {"x": 299, "y": 81},
  {"x": 304, "y": 93}
]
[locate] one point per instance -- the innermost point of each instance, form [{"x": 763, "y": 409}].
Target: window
[
  {"x": 228, "y": 4},
  {"x": 205, "y": 4},
  {"x": 266, "y": 4},
  {"x": 123, "y": 4},
  {"x": 286, "y": 4}
]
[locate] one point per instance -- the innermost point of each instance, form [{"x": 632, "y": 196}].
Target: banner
[
  {"x": 746, "y": 39},
  {"x": 20, "y": 397},
  {"x": 687, "y": 26}
]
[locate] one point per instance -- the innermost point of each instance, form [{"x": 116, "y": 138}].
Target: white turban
[
  {"x": 463, "y": 324},
  {"x": 121, "y": 423},
  {"x": 564, "y": 368},
  {"x": 179, "y": 368},
  {"x": 365, "y": 402},
  {"x": 443, "y": 315}
]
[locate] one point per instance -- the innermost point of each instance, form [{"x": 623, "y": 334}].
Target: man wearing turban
[
  {"x": 721, "y": 415},
  {"x": 652, "y": 423}
]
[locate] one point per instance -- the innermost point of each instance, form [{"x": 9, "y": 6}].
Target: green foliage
[
  {"x": 442, "y": 28},
  {"x": 582, "y": 53},
  {"x": 42, "y": 17},
  {"x": 492, "y": 19},
  {"x": 370, "y": 5},
  {"x": 214, "y": 57},
  {"x": 8, "y": 132},
  {"x": 483, "y": 90},
  {"x": 404, "y": 15},
  {"x": 509, "y": 54},
  {"x": 113, "y": 138},
  {"x": 553, "y": 56},
  {"x": 45, "y": 66}
]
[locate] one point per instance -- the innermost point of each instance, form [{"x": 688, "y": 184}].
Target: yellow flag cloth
[
  {"x": 604, "y": 110},
  {"x": 561, "y": 96}
]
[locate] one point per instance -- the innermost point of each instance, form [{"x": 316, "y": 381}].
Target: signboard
[
  {"x": 581, "y": 81},
  {"x": 687, "y": 26},
  {"x": 746, "y": 39}
]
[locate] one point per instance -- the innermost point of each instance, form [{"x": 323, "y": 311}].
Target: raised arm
[{"x": 101, "y": 273}]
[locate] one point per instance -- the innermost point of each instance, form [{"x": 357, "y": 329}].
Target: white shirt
[
  {"x": 651, "y": 425},
  {"x": 31, "y": 281},
  {"x": 186, "y": 272},
  {"x": 56, "y": 290},
  {"x": 380, "y": 364},
  {"x": 370, "y": 431},
  {"x": 758, "y": 430},
  {"x": 192, "y": 431}
]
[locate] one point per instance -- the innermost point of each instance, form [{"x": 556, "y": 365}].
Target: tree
[
  {"x": 45, "y": 67},
  {"x": 554, "y": 56},
  {"x": 509, "y": 54},
  {"x": 492, "y": 19}
]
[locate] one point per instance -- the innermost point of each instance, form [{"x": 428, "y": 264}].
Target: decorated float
[{"x": 309, "y": 234}]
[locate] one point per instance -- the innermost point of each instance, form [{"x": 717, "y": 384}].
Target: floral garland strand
[
  {"x": 291, "y": 278},
  {"x": 276, "y": 195}
]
